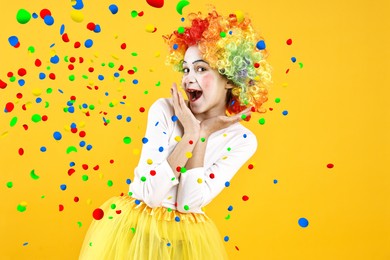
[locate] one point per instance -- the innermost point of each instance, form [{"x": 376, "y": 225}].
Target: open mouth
[{"x": 194, "y": 94}]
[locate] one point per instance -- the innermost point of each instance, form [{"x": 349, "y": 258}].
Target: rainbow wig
[{"x": 231, "y": 46}]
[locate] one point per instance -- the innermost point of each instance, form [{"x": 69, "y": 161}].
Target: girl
[{"x": 194, "y": 147}]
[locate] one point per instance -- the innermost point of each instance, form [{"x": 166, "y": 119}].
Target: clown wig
[{"x": 231, "y": 46}]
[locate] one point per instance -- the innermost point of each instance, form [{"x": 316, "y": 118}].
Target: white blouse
[{"x": 154, "y": 180}]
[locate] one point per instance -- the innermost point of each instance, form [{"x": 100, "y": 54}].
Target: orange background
[{"x": 337, "y": 113}]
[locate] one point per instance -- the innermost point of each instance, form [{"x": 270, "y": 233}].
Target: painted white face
[{"x": 205, "y": 88}]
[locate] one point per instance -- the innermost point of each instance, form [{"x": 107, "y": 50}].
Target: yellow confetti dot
[
  {"x": 4, "y": 134},
  {"x": 157, "y": 54},
  {"x": 23, "y": 203},
  {"x": 151, "y": 70},
  {"x": 67, "y": 128},
  {"x": 96, "y": 54},
  {"x": 177, "y": 138},
  {"x": 115, "y": 56},
  {"x": 150, "y": 28},
  {"x": 77, "y": 16},
  {"x": 224, "y": 135},
  {"x": 149, "y": 161},
  {"x": 101, "y": 175},
  {"x": 136, "y": 151},
  {"x": 188, "y": 154},
  {"x": 223, "y": 158},
  {"x": 170, "y": 197},
  {"x": 89, "y": 201},
  {"x": 52, "y": 52},
  {"x": 240, "y": 15},
  {"x": 28, "y": 105},
  {"x": 284, "y": 85},
  {"x": 81, "y": 124},
  {"x": 200, "y": 180}
]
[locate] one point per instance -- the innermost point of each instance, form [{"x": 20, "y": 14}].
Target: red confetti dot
[
  {"x": 25, "y": 127},
  {"x": 65, "y": 37},
  {"x": 2, "y": 84},
  {"x": 71, "y": 171},
  {"x": 178, "y": 168},
  {"x": 250, "y": 166},
  {"x": 111, "y": 161},
  {"x": 22, "y": 72},
  {"x": 72, "y": 97},
  {"x": 212, "y": 176},
  {"x": 124, "y": 97},
  {"x": 44, "y": 13},
  {"x": 38, "y": 62},
  {"x": 253, "y": 109},
  {"x": 90, "y": 69},
  {"x": 155, "y": 3},
  {"x": 9, "y": 74},
  {"x": 85, "y": 166},
  {"x": 24, "y": 107},
  {"x": 98, "y": 214},
  {"x": 130, "y": 72},
  {"x": 19, "y": 95},
  {"x": 191, "y": 142},
  {"x": 76, "y": 199},
  {"x": 82, "y": 134},
  {"x": 330, "y": 165},
  {"x": 72, "y": 59},
  {"x": 17, "y": 45},
  {"x": 44, "y": 118},
  {"x": 118, "y": 212},
  {"x": 152, "y": 172},
  {"x": 120, "y": 68},
  {"x": 287, "y": 71},
  {"x": 77, "y": 45},
  {"x": 270, "y": 109},
  {"x": 70, "y": 67},
  {"x": 96, "y": 167},
  {"x": 141, "y": 109},
  {"x": 289, "y": 42},
  {"x": 91, "y": 26},
  {"x": 73, "y": 130},
  {"x": 141, "y": 13},
  {"x": 21, "y": 151},
  {"x": 9, "y": 107},
  {"x": 81, "y": 59},
  {"x": 245, "y": 198},
  {"x": 237, "y": 248},
  {"x": 52, "y": 76},
  {"x": 123, "y": 46},
  {"x": 60, "y": 207},
  {"x": 257, "y": 65}
]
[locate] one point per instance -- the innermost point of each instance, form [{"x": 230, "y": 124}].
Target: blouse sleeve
[
  {"x": 199, "y": 186},
  {"x": 153, "y": 177}
]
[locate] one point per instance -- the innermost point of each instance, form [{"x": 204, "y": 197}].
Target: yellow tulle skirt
[{"x": 130, "y": 230}]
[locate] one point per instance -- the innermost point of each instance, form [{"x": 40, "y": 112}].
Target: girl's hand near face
[
  {"x": 211, "y": 125},
  {"x": 184, "y": 114}
]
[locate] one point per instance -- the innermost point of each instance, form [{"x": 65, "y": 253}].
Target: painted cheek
[{"x": 207, "y": 81}]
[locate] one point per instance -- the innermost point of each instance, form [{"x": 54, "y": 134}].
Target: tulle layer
[{"x": 135, "y": 231}]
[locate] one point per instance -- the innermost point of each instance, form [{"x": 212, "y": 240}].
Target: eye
[
  {"x": 185, "y": 70},
  {"x": 200, "y": 69}
]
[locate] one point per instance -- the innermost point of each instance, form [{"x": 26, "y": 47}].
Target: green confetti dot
[
  {"x": 203, "y": 139},
  {"x": 23, "y": 16},
  {"x": 135, "y": 68},
  {"x": 49, "y": 90},
  {"x": 229, "y": 149},
  {"x": 227, "y": 217},
  {"x": 31, "y": 49},
  {"x": 133, "y": 230},
  {"x": 84, "y": 177},
  {"x": 110, "y": 183},
  {"x": 10, "y": 184},
  {"x": 47, "y": 104},
  {"x": 36, "y": 118},
  {"x": 243, "y": 116},
  {"x": 173, "y": 178},
  {"x": 143, "y": 178},
  {"x": 186, "y": 207},
  {"x": 12, "y": 79},
  {"x": 113, "y": 206},
  {"x": 277, "y": 100},
  {"x": 158, "y": 84},
  {"x": 300, "y": 65},
  {"x": 134, "y": 54},
  {"x": 65, "y": 109},
  {"x": 103, "y": 64},
  {"x": 92, "y": 107},
  {"x": 33, "y": 175},
  {"x": 110, "y": 217},
  {"x": 84, "y": 77},
  {"x": 134, "y": 13},
  {"x": 127, "y": 140},
  {"x": 71, "y": 149},
  {"x": 111, "y": 65},
  {"x": 261, "y": 121},
  {"x": 180, "y": 30},
  {"x": 111, "y": 105},
  {"x": 71, "y": 77},
  {"x": 21, "y": 208},
  {"x": 183, "y": 170},
  {"x": 169, "y": 209},
  {"x": 48, "y": 68},
  {"x": 122, "y": 80},
  {"x": 90, "y": 243},
  {"x": 146, "y": 92},
  {"x": 79, "y": 224},
  {"x": 43, "y": 196},
  {"x": 13, "y": 122},
  {"x": 66, "y": 59},
  {"x": 222, "y": 34}
]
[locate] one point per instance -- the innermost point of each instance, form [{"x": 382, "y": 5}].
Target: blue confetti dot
[
  {"x": 100, "y": 77},
  {"x": 293, "y": 59},
  {"x": 260, "y": 45},
  {"x": 182, "y": 19},
  {"x": 230, "y": 208},
  {"x": 244, "y": 135},
  {"x": 21, "y": 82},
  {"x": 62, "y": 29},
  {"x": 82, "y": 143},
  {"x": 285, "y": 112},
  {"x": 71, "y": 109},
  {"x": 227, "y": 184},
  {"x": 43, "y": 149},
  {"x": 174, "y": 118},
  {"x": 55, "y": 59},
  {"x": 97, "y": 29},
  {"x": 35, "y": 15},
  {"x": 145, "y": 140},
  {"x": 128, "y": 119},
  {"x": 177, "y": 219},
  {"x": 160, "y": 149},
  {"x": 128, "y": 181},
  {"x": 73, "y": 125},
  {"x": 275, "y": 181},
  {"x": 38, "y": 100},
  {"x": 79, "y": 5},
  {"x": 116, "y": 74},
  {"x": 60, "y": 90},
  {"x": 57, "y": 135},
  {"x": 156, "y": 123},
  {"x": 42, "y": 75},
  {"x": 230, "y": 32},
  {"x": 303, "y": 222},
  {"x": 89, "y": 147},
  {"x": 69, "y": 103},
  {"x": 88, "y": 43},
  {"x": 137, "y": 202},
  {"x": 49, "y": 20},
  {"x": 25, "y": 244},
  {"x": 13, "y": 40},
  {"x": 119, "y": 117},
  {"x": 135, "y": 81},
  {"x": 85, "y": 105},
  {"x": 168, "y": 244},
  {"x": 226, "y": 238},
  {"x": 175, "y": 46},
  {"x": 72, "y": 164},
  {"x": 113, "y": 8},
  {"x": 63, "y": 186}
]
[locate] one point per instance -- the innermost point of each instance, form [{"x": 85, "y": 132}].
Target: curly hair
[{"x": 230, "y": 45}]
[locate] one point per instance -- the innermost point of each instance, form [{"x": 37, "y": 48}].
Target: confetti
[
  {"x": 23, "y": 16},
  {"x": 303, "y": 222},
  {"x": 98, "y": 214},
  {"x": 156, "y": 3},
  {"x": 181, "y": 5}
]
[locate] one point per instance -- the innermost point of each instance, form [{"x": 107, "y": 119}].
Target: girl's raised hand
[{"x": 183, "y": 113}]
